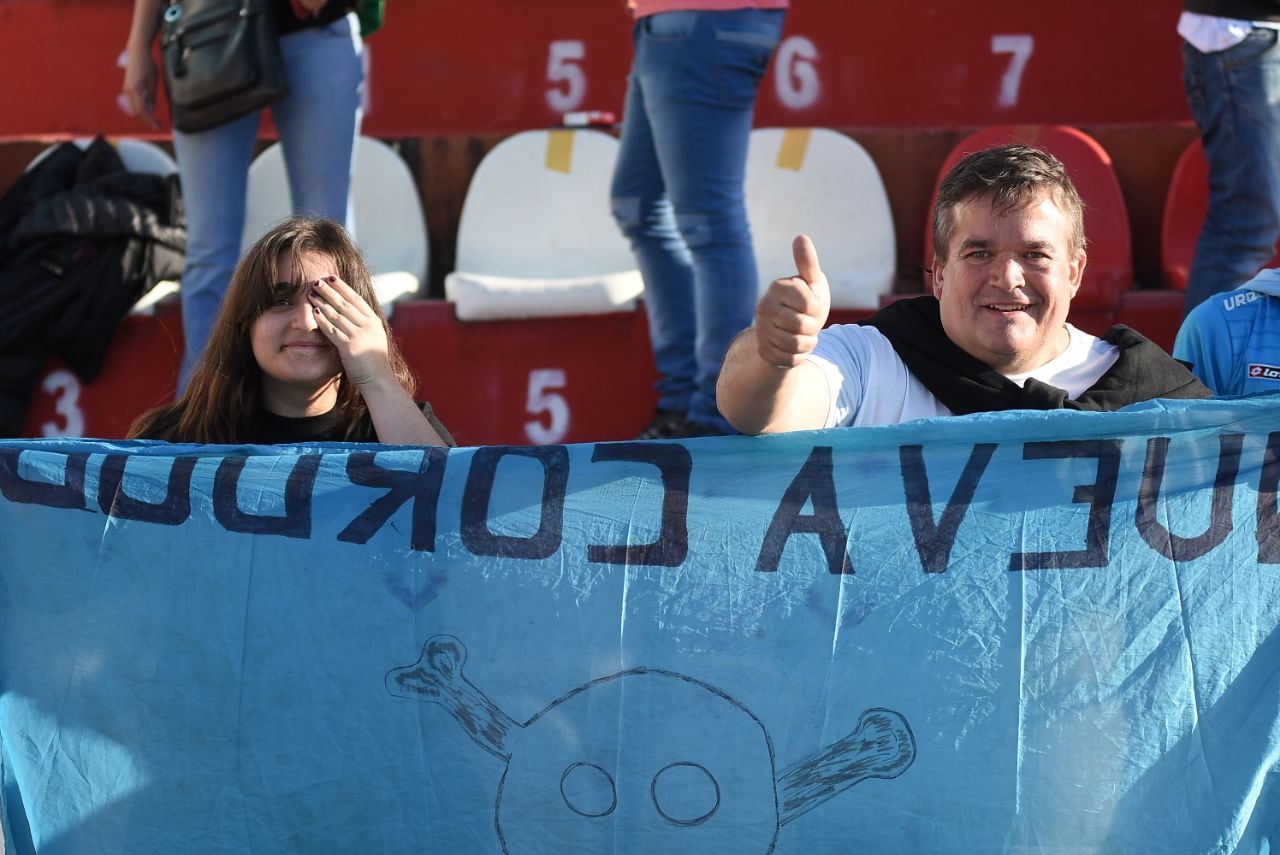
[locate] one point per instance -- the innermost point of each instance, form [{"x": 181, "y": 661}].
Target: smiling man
[{"x": 1009, "y": 254}]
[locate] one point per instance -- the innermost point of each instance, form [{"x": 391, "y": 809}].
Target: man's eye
[{"x": 978, "y": 255}]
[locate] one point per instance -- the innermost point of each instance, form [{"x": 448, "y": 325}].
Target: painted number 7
[{"x": 1019, "y": 48}]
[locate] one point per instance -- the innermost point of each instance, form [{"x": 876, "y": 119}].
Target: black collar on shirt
[
  {"x": 966, "y": 385},
  {"x": 267, "y": 428}
]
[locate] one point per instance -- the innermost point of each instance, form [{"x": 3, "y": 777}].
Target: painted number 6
[
  {"x": 796, "y": 73},
  {"x": 544, "y": 399}
]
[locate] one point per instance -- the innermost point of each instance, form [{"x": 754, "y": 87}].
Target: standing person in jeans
[
  {"x": 677, "y": 191},
  {"x": 318, "y": 122},
  {"x": 1232, "y": 75}
]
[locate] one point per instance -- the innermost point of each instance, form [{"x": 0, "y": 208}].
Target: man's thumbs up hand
[
  {"x": 793, "y": 310},
  {"x": 806, "y": 256}
]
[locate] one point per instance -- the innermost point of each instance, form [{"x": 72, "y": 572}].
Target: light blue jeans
[
  {"x": 677, "y": 191},
  {"x": 318, "y": 123},
  {"x": 1235, "y": 99}
]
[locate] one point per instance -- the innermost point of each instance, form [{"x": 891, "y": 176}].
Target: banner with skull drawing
[{"x": 1042, "y": 632}]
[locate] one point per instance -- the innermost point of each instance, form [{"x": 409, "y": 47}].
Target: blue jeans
[
  {"x": 318, "y": 122},
  {"x": 1235, "y": 99},
  {"x": 677, "y": 191}
]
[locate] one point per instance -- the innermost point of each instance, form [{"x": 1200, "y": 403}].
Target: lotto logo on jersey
[{"x": 1264, "y": 372}]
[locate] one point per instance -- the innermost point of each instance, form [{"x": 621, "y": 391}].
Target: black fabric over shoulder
[{"x": 966, "y": 385}]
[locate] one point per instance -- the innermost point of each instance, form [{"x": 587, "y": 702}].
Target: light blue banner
[{"x": 1050, "y": 632}]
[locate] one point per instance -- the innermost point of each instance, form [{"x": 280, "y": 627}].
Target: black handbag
[{"x": 221, "y": 60}]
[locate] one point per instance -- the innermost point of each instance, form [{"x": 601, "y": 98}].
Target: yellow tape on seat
[
  {"x": 560, "y": 151},
  {"x": 795, "y": 145}
]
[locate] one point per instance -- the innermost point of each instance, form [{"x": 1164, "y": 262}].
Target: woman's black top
[{"x": 267, "y": 428}]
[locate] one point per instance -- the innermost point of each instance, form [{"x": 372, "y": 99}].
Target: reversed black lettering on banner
[
  {"x": 421, "y": 487},
  {"x": 69, "y": 495},
  {"x": 816, "y": 482},
  {"x": 1158, "y": 535},
  {"x": 174, "y": 509},
  {"x": 1100, "y": 496},
  {"x": 676, "y": 464},
  {"x": 1268, "y": 532},
  {"x": 934, "y": 540},
  {"x": 479, "y": 539},
  {"x": 296, "y": 521}
]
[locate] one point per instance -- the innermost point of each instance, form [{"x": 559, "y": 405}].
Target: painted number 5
[
  {"x": 66, "y": 387},
  {"x": 544, "y": 399},
  {"x": 568, "y": 82},
  {"x": 1019, "y": 48}
]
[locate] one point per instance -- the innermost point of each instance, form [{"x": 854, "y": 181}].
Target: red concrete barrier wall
[
  {"x": 498, "y": 66},
  {"x": 534, "y": 382}
]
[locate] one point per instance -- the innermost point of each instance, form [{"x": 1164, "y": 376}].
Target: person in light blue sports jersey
[{"x": 1232, "y": 341}]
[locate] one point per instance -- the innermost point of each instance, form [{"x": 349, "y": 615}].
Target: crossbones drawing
[{"x": 640, "y": 756}]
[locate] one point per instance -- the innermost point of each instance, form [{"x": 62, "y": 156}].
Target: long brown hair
[{"x": 222, "y": 395}]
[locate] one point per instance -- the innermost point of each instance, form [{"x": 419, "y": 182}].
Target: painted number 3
[
  {"x": 66, "y": 387},
  {"x": 545, "y": 399}
]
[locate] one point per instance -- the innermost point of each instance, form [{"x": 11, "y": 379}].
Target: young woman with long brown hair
[{"x": 300, "y": 352}]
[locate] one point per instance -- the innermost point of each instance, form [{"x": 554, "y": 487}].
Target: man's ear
[
  {"x": 1078, "y": 263},
  {"x": 939, "y": 271}
]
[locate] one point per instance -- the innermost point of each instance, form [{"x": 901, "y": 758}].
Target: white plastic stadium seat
[
  {"x": 387, "y": 219},
  {"x": 137, "y": 155},
  {"x": 143, "y": 156},
  {"x": 821, "y": 183},
  {"x": 536, "y": 237}
]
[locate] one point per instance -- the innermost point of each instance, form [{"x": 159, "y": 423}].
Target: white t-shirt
[
  {"x": 871, "y": 385},
  {"x": 1209, "y": 33}
]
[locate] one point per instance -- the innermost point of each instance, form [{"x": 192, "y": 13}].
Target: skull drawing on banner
[{"x": 640, "y": 756}]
